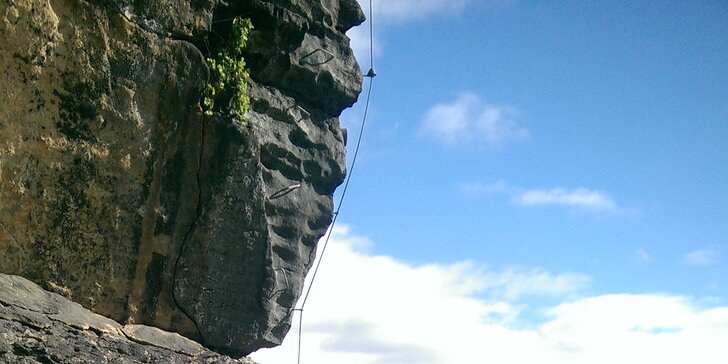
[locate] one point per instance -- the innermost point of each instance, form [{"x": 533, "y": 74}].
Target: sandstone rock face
[
  {"x": 37, "y": 326},
  {"x": 117, "y": 192}
]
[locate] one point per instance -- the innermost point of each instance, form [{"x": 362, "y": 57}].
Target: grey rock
[
  {"x": 68, "y": 333},
  {"x": 152, "y": 336},
  {"x": 299, "y": 48}
]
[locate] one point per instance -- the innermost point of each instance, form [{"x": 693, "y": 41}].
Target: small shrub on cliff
[{"x": 228, "y": 74}]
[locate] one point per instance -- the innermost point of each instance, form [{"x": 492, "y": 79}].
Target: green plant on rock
[{"x": 228, "y": 74}]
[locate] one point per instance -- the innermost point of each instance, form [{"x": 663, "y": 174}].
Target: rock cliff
[{"x": 119, "y": 193}]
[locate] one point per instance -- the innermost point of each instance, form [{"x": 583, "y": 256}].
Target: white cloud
[
  {"x": 580, "y": 197},
  {"x": 513, "y": 284},
  {"x": 639, "y": 329},
  {"x": 369, "y": 309},
  {"x": 468, "y": 119},
  {"x": 702, "y": 257}
]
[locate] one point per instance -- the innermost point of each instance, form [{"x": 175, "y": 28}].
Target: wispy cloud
[
  {"x": 400, "y": 11},
  {"x": 580, "y": 198},
  {"x": 369, "y": 309},
  {"x": 388, "y": 13},
  {"x": 702, "y": 257},
  {"x": 362, "y": 47},
  {"x": 642, "y": 255},
  {"x": 515, "y": 283},
  {"x": 395, "y": 12},
  {"x": 468, "y": 119}
]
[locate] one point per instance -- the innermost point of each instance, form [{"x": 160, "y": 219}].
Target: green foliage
[{"x": 228, "y": 74}]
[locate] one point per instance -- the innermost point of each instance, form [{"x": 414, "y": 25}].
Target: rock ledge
[{"x": 37, "y": 326}]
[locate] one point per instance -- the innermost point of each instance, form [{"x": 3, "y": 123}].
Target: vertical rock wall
[{"x": 116, "y": 190}]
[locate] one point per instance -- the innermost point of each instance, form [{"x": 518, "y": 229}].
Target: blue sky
[{"x": 547, "y": 159}]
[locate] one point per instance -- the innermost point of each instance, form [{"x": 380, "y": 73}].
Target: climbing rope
[{"x": 371, "y": 74}]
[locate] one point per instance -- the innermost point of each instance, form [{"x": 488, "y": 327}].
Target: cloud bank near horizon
[{"x": 374, "y": 309}]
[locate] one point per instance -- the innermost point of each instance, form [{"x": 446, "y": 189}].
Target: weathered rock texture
[
  {"x": 117, "y": 192},
  {"x": 37, "y": 326}
]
